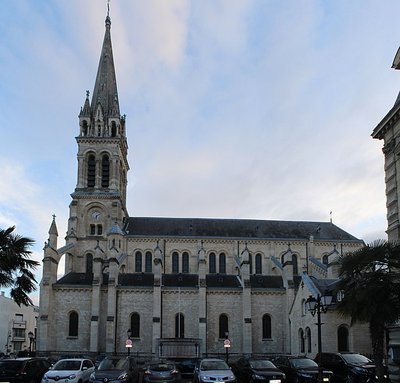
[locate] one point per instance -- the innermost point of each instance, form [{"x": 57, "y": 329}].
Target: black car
[
  {"x": 161, "y": 372},
  {"x": 186, "y": 367},
  {"x": 299, "y": 369},
  {"x": 117, "y": 370},
  {"x": 347, "y": 367},
  {"x": 249, "y": 370},
  {"x": 23, "y": 370}
]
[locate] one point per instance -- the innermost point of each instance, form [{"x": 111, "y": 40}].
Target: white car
[
  {"x": 211, "y": 370},
  {"x": 69, "y": 371}
]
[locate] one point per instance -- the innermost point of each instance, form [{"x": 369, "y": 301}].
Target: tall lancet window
[
  {"x": 179, "y": 326},
  {"x": 91, "y": 173},
  {"x": 113, "y": 129},
  {"x": 105, "y": 171}
]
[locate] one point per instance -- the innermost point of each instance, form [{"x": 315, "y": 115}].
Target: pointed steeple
[
  {"x": 86, "y": 111},
  {"x": 105, "y": 88}
]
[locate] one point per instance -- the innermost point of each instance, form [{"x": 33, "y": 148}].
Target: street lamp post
[
  {"x": 316, "y": 306},
  {"x": 30, "y": 336},
  {"x": 128, "y": 343}
]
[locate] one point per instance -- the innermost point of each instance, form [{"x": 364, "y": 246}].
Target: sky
[{"x": 259, "y": 109}]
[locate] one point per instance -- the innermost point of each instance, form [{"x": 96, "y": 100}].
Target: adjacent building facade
[
  {"x": 181, "y": 286},
  {"x": 18, "y": 326}
]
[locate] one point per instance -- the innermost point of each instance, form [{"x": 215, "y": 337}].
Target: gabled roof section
[
  {"x": 105, "y": 88},
  {"x": 234, "y": 228},
  {"x": 391, "y": 117}
]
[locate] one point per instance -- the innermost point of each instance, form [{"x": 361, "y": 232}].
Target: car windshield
[
  {"x": 113, "y": 364},
  {"x": 210, "y": 365},
  {"x": 10, "y": 365},
  {"x": 67, "y": 365},
  {"x": 356, "y": 359},
  {"x": 303, "y": 363},
  {"x": 161, "y": 367},
  {"x": 260, "y": 364}
]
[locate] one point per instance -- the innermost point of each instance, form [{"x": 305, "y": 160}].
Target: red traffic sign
[
  {"x": 227, "y": 343},
  {"x": 128, "y": 343}
]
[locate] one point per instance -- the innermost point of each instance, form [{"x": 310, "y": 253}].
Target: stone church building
[{"x": 181, "y": 286}]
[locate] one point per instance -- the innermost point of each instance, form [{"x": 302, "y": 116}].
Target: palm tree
[
  {"x": 370, "y": 281},
  {"x": 16, "y": 267}
]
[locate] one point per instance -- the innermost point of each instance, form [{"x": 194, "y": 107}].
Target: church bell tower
[{"x": 99, "y": 200}]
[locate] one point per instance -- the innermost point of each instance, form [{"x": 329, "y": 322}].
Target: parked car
[
  {"x": 117, "y": 370},
  {"x": 347, "y": 367},
  {"x": 23, "y": 370},
  {"x": 299, "y": 369},
  {"x": 186, "y": 367},
  {"x": 161, "y": 372},
  {"x": 71, "y": 370},
  {"x": 213, "y": 370},
  {"x": 249, "y": 370}
]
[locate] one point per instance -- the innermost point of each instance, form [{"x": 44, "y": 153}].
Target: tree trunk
[{"x": 377, "y": 331}]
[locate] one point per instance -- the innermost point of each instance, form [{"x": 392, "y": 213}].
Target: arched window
[
  {"x": 325, "y": 259},
  {"x": 301, "y": 341},
  {"x": 138, "y": 262},
  {"x": 179, "y": 326},
  {"x": 148, "y": 266},
  {"x": 135, "y": 325},
  {"x": 308, "y": 337},
  {"x": 212, "y": 264},
  {"x": 91, "y": 171},
  {"x": 84, "y": 128},
  {"x": 113, "y": 129},
  {"x": 295, "y": 266},
  {"x": 222, "y": 263},
  {"x": 175, "y": 262},
  {"x": 343, "y": 338},
  {"x": 89, "y": 263},
  {"x": 223, "y": 326},
  {"x": 266, "y": 327},
  {"x": 303, "y": 307},
  {"x": 258, "y": 264},
  {"x": 99, "y": 229},
  {"x": 185, "y": 262},
  {"x": 73, "y": 322},
  {"x": 105, "y": 171},
  {"x": 251, "y": 263}
]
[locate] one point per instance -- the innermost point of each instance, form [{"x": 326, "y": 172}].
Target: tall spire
[{"x": 105, "y": 88}]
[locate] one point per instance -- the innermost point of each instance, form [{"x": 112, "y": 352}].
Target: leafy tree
[
  {"x": 370, "y": 281},
  {"x": 16, "y": 269}
]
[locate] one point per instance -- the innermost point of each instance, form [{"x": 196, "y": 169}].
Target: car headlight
[
  {"x": 72, "y": 376},
  {"x": 123, "y": 376},
  {"x": 259, "y": 377}
]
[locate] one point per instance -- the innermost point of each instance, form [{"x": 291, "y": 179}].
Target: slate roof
[
  {"x": 266, "y": 281},
  {"x": 222, "y": 280},
  {"x": 180, "y": 280},
  {"x": 136, "y": 279},
  {"x": 80, "y": 279},
  {"x": 234, "y": 228}
]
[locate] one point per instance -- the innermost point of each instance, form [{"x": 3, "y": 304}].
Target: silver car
[
  {"x": 213, "y": 371},
  {"x": 69, "y": 370}
]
